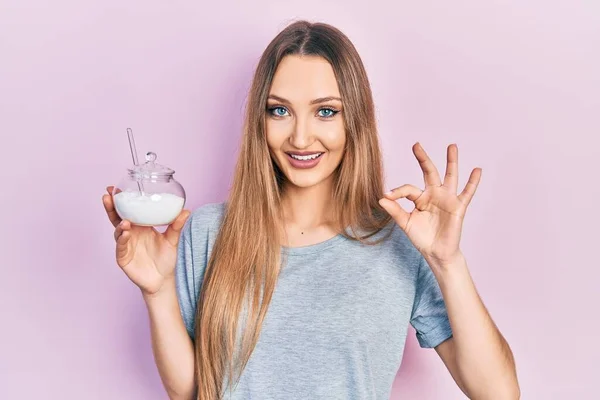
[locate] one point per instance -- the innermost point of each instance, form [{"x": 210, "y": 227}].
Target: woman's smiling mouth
[{"x": 304, "y": 159}]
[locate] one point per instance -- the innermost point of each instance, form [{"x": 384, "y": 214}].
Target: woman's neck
[{"x": 308, "y": 208}]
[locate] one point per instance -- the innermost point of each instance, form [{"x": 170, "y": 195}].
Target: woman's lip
[
  {"x": 304, "y": 164},
  {"x": 303, "y": 153}
]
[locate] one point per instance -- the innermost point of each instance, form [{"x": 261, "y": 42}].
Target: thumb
[
  {"x": 396, "y": 211},
  {"x": 174, "y": 230}
]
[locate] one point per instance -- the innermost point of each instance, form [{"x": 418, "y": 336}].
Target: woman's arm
[
  {"x": 171, "y": 345},
  {"x": 477, "y": 355}
]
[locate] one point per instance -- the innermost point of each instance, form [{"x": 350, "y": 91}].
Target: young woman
[{"x": 302, "y": 285}]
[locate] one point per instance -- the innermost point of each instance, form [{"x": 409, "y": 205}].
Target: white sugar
[{"x": 151, "y": 210}]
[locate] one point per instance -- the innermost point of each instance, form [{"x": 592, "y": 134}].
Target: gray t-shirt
[{"x": 337, "y": 323}]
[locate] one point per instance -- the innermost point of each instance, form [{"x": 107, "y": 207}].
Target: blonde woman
[{"x": 303, "y": 283}]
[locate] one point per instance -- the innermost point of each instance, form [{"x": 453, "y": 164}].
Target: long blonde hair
[{"x": 246, "y": 257}]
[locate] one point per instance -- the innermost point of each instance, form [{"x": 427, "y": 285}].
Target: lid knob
[{"x": 150, "y": 157}]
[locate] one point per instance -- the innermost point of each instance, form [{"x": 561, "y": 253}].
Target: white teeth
[{"x": 305, "y": 158}]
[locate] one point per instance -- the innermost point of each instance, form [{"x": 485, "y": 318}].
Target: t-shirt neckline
[{"x": 312, "y": 248}]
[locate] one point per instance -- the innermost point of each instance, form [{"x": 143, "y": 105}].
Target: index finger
[{"x": 109, "y": 206}]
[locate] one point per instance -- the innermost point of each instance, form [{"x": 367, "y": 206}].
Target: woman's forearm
[
  {"x": 171, "y": 345},
  {"x": 483, "y": 358}
]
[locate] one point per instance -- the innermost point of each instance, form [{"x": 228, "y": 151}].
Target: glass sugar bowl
[{"x": 149, "y": 195}]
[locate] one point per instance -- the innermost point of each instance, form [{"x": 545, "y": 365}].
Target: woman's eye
[
  {"x": 278, "y": 111},
  {"x": 327, "y": 112}
]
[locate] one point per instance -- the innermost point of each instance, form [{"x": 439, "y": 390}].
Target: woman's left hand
[{"x": 434, "y": 226}]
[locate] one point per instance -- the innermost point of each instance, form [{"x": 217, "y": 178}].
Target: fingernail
[{"x": 389, "y": 193}]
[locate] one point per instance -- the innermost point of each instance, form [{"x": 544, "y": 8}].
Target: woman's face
[{"x": 305, "y": 127}]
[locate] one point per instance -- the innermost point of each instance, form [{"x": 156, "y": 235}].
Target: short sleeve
[
  {"x": 193, "y": 252},
  {"x": 184, "y": 278},
  {"x": 429, "y": 315}
]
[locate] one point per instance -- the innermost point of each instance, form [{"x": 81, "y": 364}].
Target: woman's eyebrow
[
  {"x": 279, "y": 99},
  {"x": 325, "y": 99},
  {"x": 315, "y": 101}
]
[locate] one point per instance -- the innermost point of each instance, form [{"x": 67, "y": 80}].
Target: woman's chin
[{"x": 305, "y": 179}]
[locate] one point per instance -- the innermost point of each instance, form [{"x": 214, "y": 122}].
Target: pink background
[{"x": 515, "y": 83}]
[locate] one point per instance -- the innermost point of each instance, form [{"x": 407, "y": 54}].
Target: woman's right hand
[{"x": 147, "y": 256}]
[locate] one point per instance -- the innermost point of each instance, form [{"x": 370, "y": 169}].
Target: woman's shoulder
[
  {"x": 205, "y": 218},
  {"x": 392, "y": 235},
  {"x": 396, "y": 242},
  {"x": 209, "y": 211}
]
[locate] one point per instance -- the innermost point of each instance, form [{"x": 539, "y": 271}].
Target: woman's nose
[{"x": 301, "y": 137}]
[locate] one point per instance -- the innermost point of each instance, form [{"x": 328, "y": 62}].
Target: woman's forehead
[{"x": 302, "y": 79}]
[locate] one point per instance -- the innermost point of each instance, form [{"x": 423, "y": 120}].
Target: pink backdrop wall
[{"x": 514, "y": 83}]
